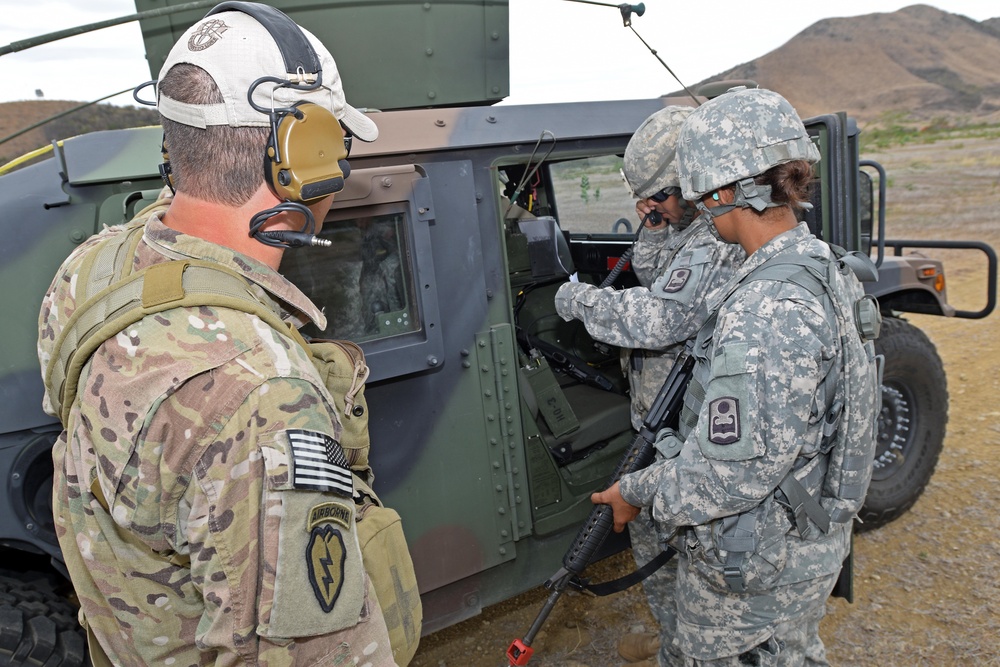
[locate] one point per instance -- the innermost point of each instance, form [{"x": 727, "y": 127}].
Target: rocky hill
[{"x": 919, "y": 62}]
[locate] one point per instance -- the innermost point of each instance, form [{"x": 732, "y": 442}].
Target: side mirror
[{"x": 866, "y": 211}]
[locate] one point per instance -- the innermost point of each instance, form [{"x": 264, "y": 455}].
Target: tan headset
[{"x": 306, "y": 155}]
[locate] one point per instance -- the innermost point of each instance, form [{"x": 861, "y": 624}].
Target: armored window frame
[{"x": 399, "y": 195}]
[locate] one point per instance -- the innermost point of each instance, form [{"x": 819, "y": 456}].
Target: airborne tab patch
[
  {"x": 329, "y": 513},
  {"x": 318, "y": 463},
  {"x": 724, "y": 420}
]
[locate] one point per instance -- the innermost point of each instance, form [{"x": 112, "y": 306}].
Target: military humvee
[{"x": 492, "y": 419}]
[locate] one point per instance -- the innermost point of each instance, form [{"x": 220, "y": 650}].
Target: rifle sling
[{"x": 632, "y": 578}]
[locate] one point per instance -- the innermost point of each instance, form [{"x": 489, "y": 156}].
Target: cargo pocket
[
  {"x": 312, "y": 578},
  {"x": 760, "y": 567}
]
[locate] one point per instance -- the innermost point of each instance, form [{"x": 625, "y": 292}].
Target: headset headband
[{"x": 297, "y": 52}]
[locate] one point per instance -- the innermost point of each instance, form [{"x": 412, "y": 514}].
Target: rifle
[
  {"x": 567, "y": 363},
  {"x": 664, "y": 413}
]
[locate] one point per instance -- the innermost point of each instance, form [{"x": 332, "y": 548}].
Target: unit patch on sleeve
[
  {"x": 724, "y": 420},
  {"x": 318, "y": 463},
  {"x": 678, "y": 279},
  {"x": 325, "y": 556}
]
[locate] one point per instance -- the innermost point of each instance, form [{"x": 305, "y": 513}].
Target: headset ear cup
[
  {"x": 305, "y": 157},
  {"x": 270, "y": 168}
]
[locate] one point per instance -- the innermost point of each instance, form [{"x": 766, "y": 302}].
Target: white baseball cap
[{"x": 237, "y": 50}]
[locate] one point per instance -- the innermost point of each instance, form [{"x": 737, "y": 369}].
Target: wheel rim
[{"x": 895, "y": 431}]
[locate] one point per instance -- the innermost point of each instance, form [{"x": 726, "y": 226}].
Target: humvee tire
[
  {"x": 911, "y": 425},
  {"x": 37, "y": 625}
]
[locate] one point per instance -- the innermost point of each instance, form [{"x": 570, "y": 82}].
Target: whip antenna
[{"x": 627, "y": 10}]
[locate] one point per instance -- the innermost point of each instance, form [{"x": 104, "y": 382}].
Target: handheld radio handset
[{"x": 654, "y": 217}]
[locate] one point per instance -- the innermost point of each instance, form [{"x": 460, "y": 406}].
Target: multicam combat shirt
[{"x": 230, "y": 538}]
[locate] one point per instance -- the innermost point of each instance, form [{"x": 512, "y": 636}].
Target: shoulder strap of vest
[
  {"x": 115, "y": 298},
  {"x": 861, "y": 264}
]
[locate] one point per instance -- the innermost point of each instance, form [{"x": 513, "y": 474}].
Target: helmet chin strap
[
  {"x": 746, "y": 194},
  {"x": 690, "y": 212},
  {"x": 287, "y": 239}
]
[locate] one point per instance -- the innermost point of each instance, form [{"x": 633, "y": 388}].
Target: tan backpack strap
[
  {"x": 160, "y": 287},
  {"x": 108, "y": 263}
]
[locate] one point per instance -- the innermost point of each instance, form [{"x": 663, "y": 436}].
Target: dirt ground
[{"x": 926, "y": 586}]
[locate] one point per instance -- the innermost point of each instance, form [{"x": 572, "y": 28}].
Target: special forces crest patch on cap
[
  {"x": 318, "y": 463},
  {"x": 325, "y": 556},
  {"x": 207, "y": 34},
  {"x": 724, "y": 420},
  {"x": 678, "y": 279}
]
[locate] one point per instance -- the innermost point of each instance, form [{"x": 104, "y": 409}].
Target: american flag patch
[{"x": 318, "y": 463}]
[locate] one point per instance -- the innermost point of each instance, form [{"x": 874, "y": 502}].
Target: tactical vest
[
  {"x": 831, "y": 486},
  {"x": 112, "y": 297}
]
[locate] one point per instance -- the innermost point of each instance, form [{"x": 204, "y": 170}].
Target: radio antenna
[{"x": 627, "y": 10}]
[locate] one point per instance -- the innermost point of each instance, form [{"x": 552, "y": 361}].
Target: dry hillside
[
  {"x": 921, "y": 61},
  {"x": 15, "y": 116}
]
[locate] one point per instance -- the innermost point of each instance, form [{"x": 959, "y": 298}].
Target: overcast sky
[{"x": 560, "y": 51}]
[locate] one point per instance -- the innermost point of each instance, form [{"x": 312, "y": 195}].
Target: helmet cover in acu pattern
[
  {"x": 650, "y": 163},
  {"x": 736, "y": 136}
]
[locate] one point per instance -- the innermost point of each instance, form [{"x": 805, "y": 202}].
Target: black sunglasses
[{"x": 664, "y": 194}]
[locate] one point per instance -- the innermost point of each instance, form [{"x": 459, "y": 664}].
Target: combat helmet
[
  {"x": 650, "y": 165},
  {"x": 735, "y": 137}
]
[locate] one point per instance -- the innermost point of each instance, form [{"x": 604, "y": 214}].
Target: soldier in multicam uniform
[
  {"x": 678, "y": 263},
  {"x": 191, "y": 526},
  {"x": 754, "y": 574}
]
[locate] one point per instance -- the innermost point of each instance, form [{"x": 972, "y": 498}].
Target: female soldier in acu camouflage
[
  {"x": 679, "y": 263},
  {"x": 781, "y": 384}
]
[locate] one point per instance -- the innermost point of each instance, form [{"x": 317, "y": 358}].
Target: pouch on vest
[
  {"x": 341, "y": 366},
  {"x": 388, "y": 563}
]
